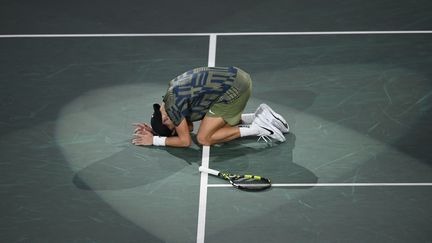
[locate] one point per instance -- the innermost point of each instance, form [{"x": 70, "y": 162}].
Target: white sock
[
  {"x": 247, "y": 118},
  {"x": 248, "y": 130}
]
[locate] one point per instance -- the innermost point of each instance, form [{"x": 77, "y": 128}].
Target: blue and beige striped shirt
[{"x": 191, "y": 94}]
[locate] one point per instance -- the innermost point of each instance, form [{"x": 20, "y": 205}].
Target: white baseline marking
[
  {"x": 205, "y": 160},
  {"x": 390, "y": 32},
  {"x": 335, "y": 184}
]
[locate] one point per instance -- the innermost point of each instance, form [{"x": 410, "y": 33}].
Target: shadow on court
[
  {"x": 246, "y": 155},
  {"x": 132, "y": 167},
  {"x": 274, "y": 161},
  {"x": 137, "y": 166}
]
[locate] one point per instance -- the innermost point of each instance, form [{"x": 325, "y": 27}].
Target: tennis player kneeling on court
[{"x": 217, "y": 96}]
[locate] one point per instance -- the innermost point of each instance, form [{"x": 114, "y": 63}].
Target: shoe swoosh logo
[
  {"x": 271, "y": 132},
  {"x": 285, "y": 125},
  {"x": 211, "y": 112}
]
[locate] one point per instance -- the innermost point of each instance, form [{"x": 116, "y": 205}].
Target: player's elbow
[{"x": 185, "y": 143}]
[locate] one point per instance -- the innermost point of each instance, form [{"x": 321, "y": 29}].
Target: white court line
[
  {"x": 212, "y": 51},
  {"x": 220, "y": 34},
  {"x": 203, "y": 196},
  {"x": 335, "y": 184},
  {"x": 205, "y": 160}
]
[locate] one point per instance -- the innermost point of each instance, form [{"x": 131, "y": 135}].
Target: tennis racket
[{"x": 244, "y": 182}]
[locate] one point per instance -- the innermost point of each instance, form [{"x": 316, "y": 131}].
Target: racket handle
[{"x": 209, "y": 171}]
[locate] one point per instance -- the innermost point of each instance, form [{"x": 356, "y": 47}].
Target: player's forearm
[
  {"x": 183, "y": 138},
  {"x": 178, "y": 141}
]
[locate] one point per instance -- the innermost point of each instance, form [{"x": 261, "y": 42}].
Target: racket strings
[
  {"x": 251, "y": 182},
  {"x": 248, "y": 182}
]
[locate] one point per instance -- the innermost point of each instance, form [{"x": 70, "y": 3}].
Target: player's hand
[
  {"x": 141, "y": 127},
  {"x": 144, "y": 138}
]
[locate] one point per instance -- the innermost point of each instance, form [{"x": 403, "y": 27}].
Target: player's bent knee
[{"x": 204, "y": 140}]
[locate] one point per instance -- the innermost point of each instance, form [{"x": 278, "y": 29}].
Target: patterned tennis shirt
[{"x": 191, "y": 94}]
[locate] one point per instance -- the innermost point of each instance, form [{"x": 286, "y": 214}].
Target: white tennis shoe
[
  {"x": 269, "y": 115},
  {"x": 267, "y": 130}
]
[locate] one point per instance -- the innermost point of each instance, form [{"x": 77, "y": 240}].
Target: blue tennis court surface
[{"x": 352, "y": 79}]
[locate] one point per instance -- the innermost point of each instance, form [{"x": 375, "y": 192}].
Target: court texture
[{"x": 352, "y": 78}]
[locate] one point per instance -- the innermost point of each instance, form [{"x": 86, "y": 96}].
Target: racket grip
[{"x": 209, "y": 171}]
